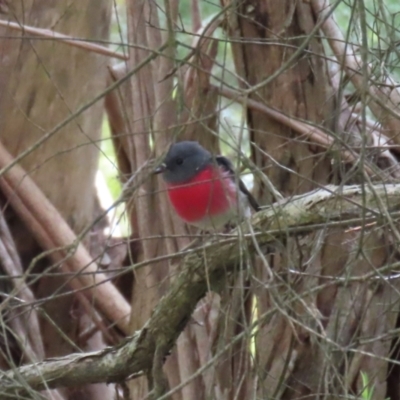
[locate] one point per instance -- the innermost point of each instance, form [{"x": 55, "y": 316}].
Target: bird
[{"x": 203, "y": 188}]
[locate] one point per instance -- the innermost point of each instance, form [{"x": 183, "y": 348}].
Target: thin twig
[
  {"x": 383, "y": 104},
  {"x": 82, "y": 109},
  {"x": 312, "y": 133},
  {"x": 52, "y": 232},
  {"x": 76, "y": 42},
  {"x": 174, "y": 310}
]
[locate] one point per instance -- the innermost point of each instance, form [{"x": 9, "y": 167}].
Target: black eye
[{"x": 179, "y": 161}]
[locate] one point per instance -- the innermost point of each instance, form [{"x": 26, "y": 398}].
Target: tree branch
[
  {"x": 52, "y": 232},
  {"x": 72, "y": 41},
  {"x": 331, "y": 206}
]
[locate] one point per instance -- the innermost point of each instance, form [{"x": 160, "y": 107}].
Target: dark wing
[{"x": 227, "y": 165}]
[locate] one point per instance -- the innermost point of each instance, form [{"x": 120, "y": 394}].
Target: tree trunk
[
  {"x": 298, "y": 347},
  {"x": 307, "y": 315},
  {"x": 42, "y": 82}
]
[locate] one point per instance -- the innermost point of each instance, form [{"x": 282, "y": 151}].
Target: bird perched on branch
[{"x": 203, "y": 188}]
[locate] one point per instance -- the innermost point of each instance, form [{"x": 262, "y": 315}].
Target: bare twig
[
  {"x": 52, "y": 232},
  {"x": 312, "y": 133},
  {"x": 29, "y": 326},
  {"x": 47, "y": 33},
  {"x": 82, "y": 109},
  {"x": 385, "y": 101},
  {"x": 172, "y": 313},
  {"x": 24, "y": 324}
]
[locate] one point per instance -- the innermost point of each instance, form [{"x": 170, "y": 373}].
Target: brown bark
[
  {"x": 299, "y": 351},
  {"x": 154, "y": 114},
  {"x": 136, "y": 355},
  {"x": 42, "y": 82},
  {"x": 321, "y": 321},
  {"x": 147, "y": 112},
  {"x": 292, "y": 166}
]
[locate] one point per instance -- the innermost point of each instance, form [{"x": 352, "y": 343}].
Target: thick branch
[
  {"x": 345, "y": 205},
  {"x": 52, "y": 232}
]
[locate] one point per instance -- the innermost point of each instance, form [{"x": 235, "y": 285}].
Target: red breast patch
[{"x": 208, "y": 194}]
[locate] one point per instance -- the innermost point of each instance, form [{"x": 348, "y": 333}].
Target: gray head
[{"x": 183, "y": 161}]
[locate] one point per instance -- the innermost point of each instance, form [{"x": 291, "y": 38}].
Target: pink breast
[{"x": 209, "y": 194}]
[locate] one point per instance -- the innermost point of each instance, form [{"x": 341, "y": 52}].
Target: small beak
[{"x": 161, "y": 168}]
